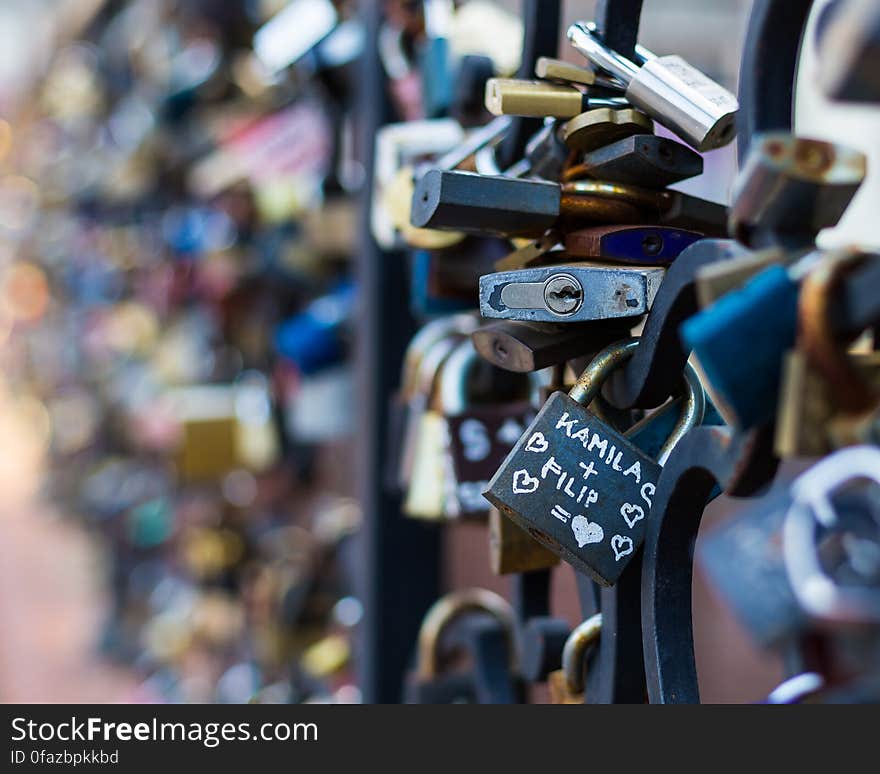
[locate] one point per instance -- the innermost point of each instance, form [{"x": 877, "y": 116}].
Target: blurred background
[{"x": 183, "y": 209}]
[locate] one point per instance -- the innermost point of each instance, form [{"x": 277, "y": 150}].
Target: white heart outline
[
  {"x": 632, "y": 507},
  {"x": 619, "y": 540},
  {"x": 518, "y": 476},
  {"x": 535, "y": 446}
]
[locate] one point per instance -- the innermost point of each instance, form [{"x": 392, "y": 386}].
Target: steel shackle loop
[
  {"x": 452, "y": 387},
  {"x": 574, "y": 651},
  {"x": 588, "y": 385},
  {"x": 449, "y": 608}
]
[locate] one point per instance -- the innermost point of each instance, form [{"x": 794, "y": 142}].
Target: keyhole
[{"x": 652, "y": 244}]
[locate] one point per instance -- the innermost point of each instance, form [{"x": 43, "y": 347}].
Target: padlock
[
  {"x": 569, "y": 292},
  {"x": 567, "y": 684},
  {"x": 411, "y": 401},
  {"x": 480, "y": 433},
  {"x": 549, "y": 69},
  {"x": 540, "y": 99},
  {"x": 831, "y": 539},
  {"x": 513, "y": 550},
  {"x": 546, "y": 152},
  {"x": 580, "y": 486},
  {"x": 716, "y": 279},
  {"x": 491, "y": 204},
  {"x": 640, "y": 159},
  {"x": 790, "y": 188},
  {"x": 601, "y": 126},
  {"x": 743, "y": 372},
  {"x": 667, "y": 88},
  {"x": 804, "y": 557},
  {"x": 645, "y": 245},
  {"x": 524, "y": 347},
  {"x": 823, "y": 348},
  {"x": 431, "y": 683},
  {"x": 428, "y": 472}
]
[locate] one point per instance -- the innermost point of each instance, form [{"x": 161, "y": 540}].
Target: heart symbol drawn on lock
[
  {"x": 627, "y": 510},
  {"x": 586, "y": 531},
  {"x": 617, "y": 545},
  {"x": 537, "y": 443},
  {"x": 523, "y": 483}
]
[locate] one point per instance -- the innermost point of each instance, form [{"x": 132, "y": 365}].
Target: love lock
[{"x": 581, "y": 487}]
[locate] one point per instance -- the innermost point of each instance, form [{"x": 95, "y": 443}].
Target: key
[
  {"x": 640, "y": 159},
  {"x": 668, "y": 89},
  {"x": 569, "y": 292},
  {"x": 541, "y": 99},
  {"x": 579, "y": 486},
  {"x": 463, "y": 201},
  {"x": 790, "y": 188},
  {"x": 651, "y": 245}
]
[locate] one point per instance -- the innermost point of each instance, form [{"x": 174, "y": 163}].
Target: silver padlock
[
  {"x": 569, "y": 292},
  {"x": 667, "y": 88}
]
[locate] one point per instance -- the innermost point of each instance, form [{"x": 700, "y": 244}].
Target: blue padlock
[{"x": 741, "y": 341}]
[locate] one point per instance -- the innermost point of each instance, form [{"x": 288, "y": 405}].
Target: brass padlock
[
  {"x": 512, "y": 549},
  {"x": 428, "y": 486},
  {"x": 603, "y": 126},
  {"x": 567, "y": 684},
  {"x": 822, "y": 380},
  {"x": 411, "y": 400}
]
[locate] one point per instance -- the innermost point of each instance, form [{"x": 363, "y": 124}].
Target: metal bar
[
  {"x": 540, "y": 38},
  {"x": 618, "y": 23},
  {"x": 400, "y": 574}
]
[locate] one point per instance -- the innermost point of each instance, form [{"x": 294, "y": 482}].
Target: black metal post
[{"x": 400, "y": 573}]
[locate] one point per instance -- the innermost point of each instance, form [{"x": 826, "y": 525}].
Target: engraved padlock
[
  {"x": 581, "y": 487},
  {"x": 479, "y": 434},
  {"x": 672, "y": 92}
]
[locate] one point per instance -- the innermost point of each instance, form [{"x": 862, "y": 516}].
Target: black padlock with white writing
[
  {"x": 578, "y": 485},
  {"x": 481, "y": 432}
]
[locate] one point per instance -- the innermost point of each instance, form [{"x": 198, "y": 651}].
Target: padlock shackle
[
  {"x": 448, "y": 609},
  {"x": 455, "y": 373},
  {"x": 575, "y": 650},
  {"x": 588, "y": 385},
  {"x": 582, "y": 39},
  {"x": 428, "y": 335},
  {"x": 823, "y": 599}
]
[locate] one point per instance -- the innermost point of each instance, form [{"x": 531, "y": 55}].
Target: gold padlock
[
  {"x": 428, "y": 485},
  {"x": 567, "y": 684},
  {"x": 512, "y": 549},
  {"x": 823, "y": 379}
]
